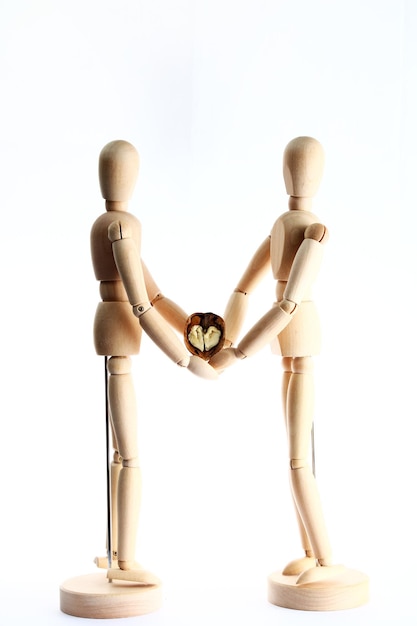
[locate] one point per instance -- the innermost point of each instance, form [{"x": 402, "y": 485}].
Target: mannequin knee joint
[
  {"x": 131, "y": 462},
  {"x": 296, "y": 464}
]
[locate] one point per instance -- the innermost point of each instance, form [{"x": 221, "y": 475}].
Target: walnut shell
[{"x": 204, "y": 334}]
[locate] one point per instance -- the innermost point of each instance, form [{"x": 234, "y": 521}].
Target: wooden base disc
[
  {"x": 346, "y": 591},
  {"x": 93, "y": 596}
]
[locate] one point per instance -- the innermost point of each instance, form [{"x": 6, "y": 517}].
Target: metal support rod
[{"x": 108, "y": 464}]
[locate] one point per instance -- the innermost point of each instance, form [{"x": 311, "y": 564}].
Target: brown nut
[{"x": 204, "y": 334}]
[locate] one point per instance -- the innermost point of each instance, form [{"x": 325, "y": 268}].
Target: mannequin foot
[
  {"x": 299, "y": 565},
  {"x": 320, "y": 573},
  {"x": 133, "y": 572},
  {"x": 103, "y": 562}
]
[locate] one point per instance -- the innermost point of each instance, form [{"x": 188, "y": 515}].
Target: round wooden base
[
  {"x": 346, "y": 591},
  {"x": 93, "y": 596}
]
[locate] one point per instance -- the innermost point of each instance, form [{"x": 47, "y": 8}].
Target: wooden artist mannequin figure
[
  {"x": 129, "y": 295},
  {"x": 293, "y": 251},
  {"x": 131, "y": 302}
]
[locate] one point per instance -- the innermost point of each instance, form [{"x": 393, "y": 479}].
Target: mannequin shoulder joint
[
  {"x": 318, "y": 232},
  {"x": 119, "y": 229}
]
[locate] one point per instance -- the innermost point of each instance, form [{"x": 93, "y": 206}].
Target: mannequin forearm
[
  {"x": 237, "y": 305},
  {"x": 234, "y": 316}
]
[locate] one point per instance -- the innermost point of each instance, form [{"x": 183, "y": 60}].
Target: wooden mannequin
[
  {"x": 125, "y": 283},
  {"x": 294, "y": 251},
  {"x": 131, "y": 301}
]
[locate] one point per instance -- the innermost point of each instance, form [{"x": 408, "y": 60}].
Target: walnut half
[{"x": 204, "y": 334}]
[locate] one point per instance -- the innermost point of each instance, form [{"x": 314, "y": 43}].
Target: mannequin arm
[
  {"x": 129, "y": 266},
  {"x": 304, "y": 270},
  {"x": 237, "y": 305},
  {"x": 170, "y": 311}
]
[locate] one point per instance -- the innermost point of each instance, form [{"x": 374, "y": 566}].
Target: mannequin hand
[
  {"x": 201, "y": 368},
  {"x": 226, "y": 358}
]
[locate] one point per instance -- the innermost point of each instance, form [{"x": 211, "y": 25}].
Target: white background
[{"x": 209, "y": 93}]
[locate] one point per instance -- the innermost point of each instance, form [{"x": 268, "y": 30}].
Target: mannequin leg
[
  {"x": 123, "y": 411},
  {"x": 298, "y": 565},
  {"x": 300, "y": 407}
]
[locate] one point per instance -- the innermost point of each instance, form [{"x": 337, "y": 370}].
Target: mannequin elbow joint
[{"x": 288, "y": 306}]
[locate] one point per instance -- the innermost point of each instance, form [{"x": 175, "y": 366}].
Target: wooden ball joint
[{"x": 293, "y": 251}]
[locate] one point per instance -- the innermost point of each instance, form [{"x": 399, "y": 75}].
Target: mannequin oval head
[
  {"x": 118, "y": 170},
  {"x": 303, "y": 166}
]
